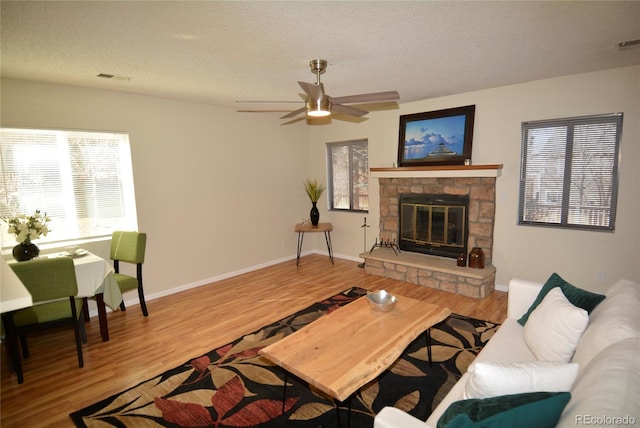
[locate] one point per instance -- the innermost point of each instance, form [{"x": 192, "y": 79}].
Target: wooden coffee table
[{"x": 344, "y": 350}]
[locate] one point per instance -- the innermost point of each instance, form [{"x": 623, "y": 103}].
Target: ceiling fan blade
[
  {"x": 367, "y": 98},
  {"x": 266, "y": 101},
  {"x": 297, "y": 119},
  {"x": 262, "y": 111},
  {"x": 314, "y": 91},
  {"x": 294, "y": 113},
  {"x": 351, "y": 111}
]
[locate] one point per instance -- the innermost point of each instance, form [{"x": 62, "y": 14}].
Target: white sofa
[{"x": 607, "y": 387}]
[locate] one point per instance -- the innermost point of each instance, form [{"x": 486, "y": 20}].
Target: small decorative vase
[
  {"x": 314, "y": 215},
  {"x": 462, "y": 260},
  {"x": 25, "y": 251},
  {"x": 476, "y": 258}
]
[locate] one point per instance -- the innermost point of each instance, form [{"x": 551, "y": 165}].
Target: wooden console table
[{"x": 321, "y": 227}]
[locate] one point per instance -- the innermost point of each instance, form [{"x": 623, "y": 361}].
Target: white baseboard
[{"x": 131, "y": 299}]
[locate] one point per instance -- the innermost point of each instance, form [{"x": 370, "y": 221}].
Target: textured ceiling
[{"x": 220, "y": 52}]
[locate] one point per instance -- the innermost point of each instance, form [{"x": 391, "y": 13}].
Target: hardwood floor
[{"x": 183, "y": 326}]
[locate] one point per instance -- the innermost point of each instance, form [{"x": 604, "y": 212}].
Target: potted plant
[{"x": 314, "y": 190}]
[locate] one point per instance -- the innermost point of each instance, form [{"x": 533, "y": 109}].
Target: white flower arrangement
[{"x": 28, "y": 228}]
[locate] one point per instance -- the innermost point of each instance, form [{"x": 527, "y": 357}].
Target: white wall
[
  {"x": 519, "y": 251},
  {"x": 217, "y": 191}
]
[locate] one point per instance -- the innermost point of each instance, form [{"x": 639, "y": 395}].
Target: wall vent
[{"x": 113, "y": 76}]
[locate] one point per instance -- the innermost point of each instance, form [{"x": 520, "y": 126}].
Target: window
[
  {"x": 82, "y": 180},
  {"x": 569, "y": 173},
  {"x": 348, "y": 175}
]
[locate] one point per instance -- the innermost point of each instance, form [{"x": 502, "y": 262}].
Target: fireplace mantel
[{"x": 490, "y": 170}]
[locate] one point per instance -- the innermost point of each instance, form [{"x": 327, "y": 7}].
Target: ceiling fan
[{"x": 319, "y": 104}]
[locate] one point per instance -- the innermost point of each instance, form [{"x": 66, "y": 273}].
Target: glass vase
[
  {"x": 462, "y": 260},
  {"x": 314, "y": 215},
  {"x": 25, "y": 251},
  {"x": 476, "y": 258}
]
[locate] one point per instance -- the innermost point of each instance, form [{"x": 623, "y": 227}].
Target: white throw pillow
[
  {"x": 555, "y": 327},
  {"x": 495, "y": 379}
]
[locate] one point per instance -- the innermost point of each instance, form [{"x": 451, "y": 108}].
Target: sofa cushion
[
  {"x": 390, "y": 417},
  {"x": 495, "y": 379},
  {"x": 535, "y": 410},
  {"x": 578, "y": 297},
  {"x": 555, "y": 327},
  {"x": 616, "y": 318},
  {"x": 506, "y": 346},
  {"x": 606, "y": 391}
]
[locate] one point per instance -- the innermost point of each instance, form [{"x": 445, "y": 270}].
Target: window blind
[
  {"x": 569, "y": 172},
  {"x": 348, "y": 163},
  {"x": 82, "y": 180}
]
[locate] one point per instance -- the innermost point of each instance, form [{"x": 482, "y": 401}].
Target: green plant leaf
[{"x": 314, "y": 189}]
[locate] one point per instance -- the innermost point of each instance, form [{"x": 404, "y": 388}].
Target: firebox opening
[{"x": 434, "y": 224}]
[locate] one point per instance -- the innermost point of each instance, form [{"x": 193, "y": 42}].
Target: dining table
[{"x": 95, "y": 278}]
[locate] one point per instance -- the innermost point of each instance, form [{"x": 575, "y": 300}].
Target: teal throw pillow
[
  {"x": 528, "y": 410},
  {"x": 578, "y": 297}
]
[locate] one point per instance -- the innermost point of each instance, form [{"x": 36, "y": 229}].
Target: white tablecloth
[{"x": 95, "y": 275}]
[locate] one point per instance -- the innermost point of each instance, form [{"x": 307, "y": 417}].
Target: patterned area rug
[{"x": 232, "y": 386}]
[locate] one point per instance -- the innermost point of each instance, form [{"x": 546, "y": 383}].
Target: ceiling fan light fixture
[
  {"x": 319, "y": 108},
  {"x": 318, "y": 113}
]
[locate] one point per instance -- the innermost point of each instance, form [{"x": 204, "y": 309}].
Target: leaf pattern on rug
[
  {"x": 310, "y": 411},
  {"x": 408, "y": 402},
  {"x": 404, "y": 367},
  {"x": 233, "y": 386}
]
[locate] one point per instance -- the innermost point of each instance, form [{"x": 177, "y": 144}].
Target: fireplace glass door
[{"x": 434, "y": 225}]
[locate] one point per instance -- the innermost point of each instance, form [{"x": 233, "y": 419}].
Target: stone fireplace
[{"x": 474, "y": 183}]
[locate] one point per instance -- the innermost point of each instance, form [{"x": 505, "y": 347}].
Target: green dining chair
[
  {"x": 53, "y": 287},
  {"x": 129, "y": 247}
]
